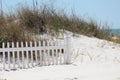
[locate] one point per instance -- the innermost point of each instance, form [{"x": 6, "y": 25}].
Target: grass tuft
[{"x": 46, "y": 19}]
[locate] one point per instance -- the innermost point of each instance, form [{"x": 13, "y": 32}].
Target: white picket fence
[{"x": 22, "y": 55}]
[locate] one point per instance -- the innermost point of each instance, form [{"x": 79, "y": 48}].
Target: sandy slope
[
  {"x": 92, "y": 49},
  {"x": 93, "y": 59}
]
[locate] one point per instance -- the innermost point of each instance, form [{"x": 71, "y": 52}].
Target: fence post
[{"x": 68, "y": 48}]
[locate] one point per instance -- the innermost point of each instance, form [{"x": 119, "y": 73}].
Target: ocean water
[{"x": 115, "y": 32}]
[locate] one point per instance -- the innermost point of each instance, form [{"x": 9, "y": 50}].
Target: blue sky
[{"x": 104, "y": 11}]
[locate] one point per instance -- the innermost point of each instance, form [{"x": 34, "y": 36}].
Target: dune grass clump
[
  {"x": 31, "y": 20},
  {"x": 46, "y": 19},
  {"x": 11, "y": 32},
  {"x": 56, "y": 20}
]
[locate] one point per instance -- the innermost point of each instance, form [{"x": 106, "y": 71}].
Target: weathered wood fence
[{"x": 20, "y": 55}]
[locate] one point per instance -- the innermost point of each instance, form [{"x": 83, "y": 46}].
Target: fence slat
[
  {"x": 13, "y": 56},
  {"x": 56, "y": 56},
  {"x": 40, "y": 53},
  {"x": 27, "y": 55},
  {"x": 8, "y": 45},
  {"x": 48, "y": 54},
  {"x": 65, "y": 56},
  {"x": 3, "y": 46},
  {"x": 23, "y": 64},
  {"x": 41, "y": 58},
  {"x": 52, "y": 56},
  {"x": 31, "y": 55},
  {"x": 44, "y": 54},
  {"x": 18, "y": 55},
  {"x": 60, "y": 55},
  {"x": 36, "y": 53}
]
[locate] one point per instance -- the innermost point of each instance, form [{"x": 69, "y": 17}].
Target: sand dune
[{"x": 92, "y": 59}]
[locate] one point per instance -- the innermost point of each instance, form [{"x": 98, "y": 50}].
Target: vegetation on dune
[
  {"x": 31, "y": 20},
  {"x": 25, "y": 20},
  {"x": 11, "y": 32}
]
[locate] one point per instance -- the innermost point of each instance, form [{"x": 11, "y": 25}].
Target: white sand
[{"x": 93, "y": 59}]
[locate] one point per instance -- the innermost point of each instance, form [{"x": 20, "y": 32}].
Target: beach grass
[{"x": 47, "y": 19}]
